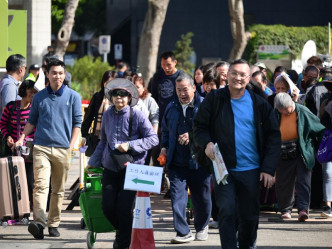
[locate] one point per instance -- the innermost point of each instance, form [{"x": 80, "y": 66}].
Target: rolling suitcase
[{"x": 14, "y": 197}]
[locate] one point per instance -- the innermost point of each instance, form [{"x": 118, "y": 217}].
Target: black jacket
[
  {"x": 91, "y": 113},
  {"x": 214, "y": 122}
]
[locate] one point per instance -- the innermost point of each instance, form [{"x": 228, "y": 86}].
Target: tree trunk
[
  {"x": 240, "y": 37},
  {"x": 66, "y": 27},
  {"x": 150, "y": 37}
]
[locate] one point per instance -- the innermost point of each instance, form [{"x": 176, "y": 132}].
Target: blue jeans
[
  {"x": 238, "y": 203},
  {"x": 327, "y": 181},
  {"x": 198, "y": 182}
]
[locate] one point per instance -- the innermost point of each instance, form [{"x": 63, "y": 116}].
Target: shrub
[
  {"x": 183, "y": 51},
  {"x": 86, "y": 75},
  {"x": 294, "y": 37}
]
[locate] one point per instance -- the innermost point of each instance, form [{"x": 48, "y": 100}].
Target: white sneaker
[
  {"x": 327, "y": 212},
  {"x": 203, "y": 234},
  {"x": 213, "y": 224},
  {"x": 182, "y": 239}
]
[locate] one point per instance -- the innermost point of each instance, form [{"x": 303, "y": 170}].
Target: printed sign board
[
  {"x": 143, "y": 178},
  {"x": 118, "y": 51},
  {"x": 274, "y": 55},
  {"x": 104, "y": 44},
  {"x": 273, "y": 52}
]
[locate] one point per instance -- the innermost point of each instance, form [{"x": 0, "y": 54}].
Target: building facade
[{"x": 208, "y": 20}]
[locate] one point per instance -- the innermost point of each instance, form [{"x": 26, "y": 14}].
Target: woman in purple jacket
[{"x": 115, "y": 140}]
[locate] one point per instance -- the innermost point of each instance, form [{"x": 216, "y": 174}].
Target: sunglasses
[{"x": 121, "y": 93}]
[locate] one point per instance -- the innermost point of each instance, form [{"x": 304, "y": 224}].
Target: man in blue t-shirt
[
  {"x": 56, "y": 113},
  {"x": 247, "y": 133}
]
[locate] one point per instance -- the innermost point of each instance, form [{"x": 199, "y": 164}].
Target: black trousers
[
  {"x": 117, "y": 205},
  {"x": 214, "y": 211},
  {"x": 29, "y": 173},
  {"x": 238, "y": 204},
  {"x": 292, "y": 174}
]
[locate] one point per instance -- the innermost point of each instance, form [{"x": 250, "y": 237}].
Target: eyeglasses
[
  {"x": 121, "y": 93},
  {"x": 235, "y": 74}
]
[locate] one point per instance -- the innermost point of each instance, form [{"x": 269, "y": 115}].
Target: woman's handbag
[
  {"x": 92, "y": 142},
  {"x": 120, "y": 158},
  {"x": 324, "y": 153},
  {"x": 5, "y": 150}
]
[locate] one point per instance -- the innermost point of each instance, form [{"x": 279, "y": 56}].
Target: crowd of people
[{"x": 267, "y": 131}]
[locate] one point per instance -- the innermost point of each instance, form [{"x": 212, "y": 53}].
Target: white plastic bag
[{"x": 219, "y": 167}]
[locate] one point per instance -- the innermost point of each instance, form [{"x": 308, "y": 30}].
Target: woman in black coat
[{"x": 98, "y": 105}]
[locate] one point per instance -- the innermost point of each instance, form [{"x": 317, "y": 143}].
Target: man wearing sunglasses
[
  {"x": 16, "y": 68},
  {"x": 245, "y": 128}
]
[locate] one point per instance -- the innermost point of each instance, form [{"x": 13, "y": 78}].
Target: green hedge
[
  {"x": 87, "y": 74},
  {"x": 294, "y": 37}
]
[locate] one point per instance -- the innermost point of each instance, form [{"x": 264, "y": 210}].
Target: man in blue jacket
[
  {"x": 247, "y": 132},
  {"x": 183, "y": 171}
]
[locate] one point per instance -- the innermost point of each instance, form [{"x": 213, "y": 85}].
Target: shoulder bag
[
  {"x": 324, "y": 153},
  {"x": 5, "y": 150},
  {"x": 92, "y": 139}
]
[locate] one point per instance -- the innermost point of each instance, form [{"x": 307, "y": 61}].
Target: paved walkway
[{"x": 272, "y": 233}]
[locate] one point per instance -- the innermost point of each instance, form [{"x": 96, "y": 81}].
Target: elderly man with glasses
[{"x": 245, "y": 128}]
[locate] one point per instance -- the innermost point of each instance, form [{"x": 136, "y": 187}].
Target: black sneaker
[
  {"x": 116, "y": 244},
  {"x": 53, "y": 232},
  {"x": 327, "y": 212},
  {"x": 36, "y": 230},
  {"x": 167, "y": 195}
]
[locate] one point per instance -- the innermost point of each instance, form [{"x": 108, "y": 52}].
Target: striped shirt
[{"x": 6, "y": 119}]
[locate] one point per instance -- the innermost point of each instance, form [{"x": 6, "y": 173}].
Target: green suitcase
[{"x": 91, "y": 207}]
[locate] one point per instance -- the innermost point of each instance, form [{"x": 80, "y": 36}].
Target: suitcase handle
[
  {"x": 18, "y": 188},
  {"x": 12, "y": 181}
]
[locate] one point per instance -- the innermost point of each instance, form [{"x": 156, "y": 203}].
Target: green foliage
[
  {"x": 89, "y": 15},
  {"x": 57, "y": 12},
  {"x": 183, "y": 51},
  {"x": 87, "y": 74},
  {"x": 294, "y": 37}
]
